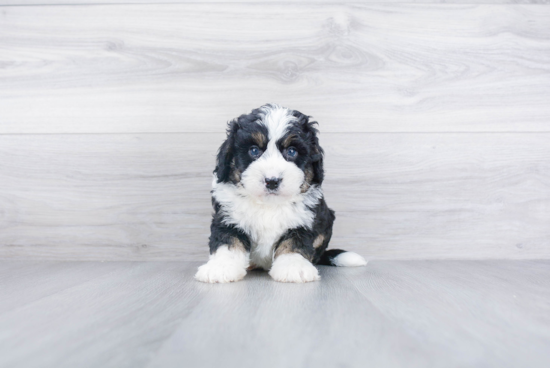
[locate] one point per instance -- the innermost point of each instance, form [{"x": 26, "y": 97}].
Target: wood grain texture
[
  {"x": 389, "y": 314},
  {"x": 146, "y": 197},
  {"x": 191, "y": 67},
  {"x": 114, "y": 319},
  {"x": 26, "y": 282},
  {"x": 325, "y": 324},
  {"x": 422, "y": 296},
  {"x": 88, "y": 2}
]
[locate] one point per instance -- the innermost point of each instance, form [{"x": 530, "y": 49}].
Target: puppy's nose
[{"x": 272, "y": 183}]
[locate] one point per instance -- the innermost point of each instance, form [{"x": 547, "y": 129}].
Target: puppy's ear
[
  {"x": 226, "y": 154},
  {"x": 316, "y": 154},
  {"x": 317, "y": 158}
]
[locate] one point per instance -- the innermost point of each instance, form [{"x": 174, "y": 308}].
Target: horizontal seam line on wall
[
  {"x": 321, "y": 133},
  {"x": 287, "y": 2}
]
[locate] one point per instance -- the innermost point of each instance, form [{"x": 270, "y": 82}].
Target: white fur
[
  {"x": 226, "y": 265},
  {"x": 264, "y": 222},
  {"x": 293, "y": 268},
  {"x": 277, "y": 120},
  {"x": 349, "y": 259},
  {"x": 263, "y": 215},
  {"x": 272, "y": 164}
]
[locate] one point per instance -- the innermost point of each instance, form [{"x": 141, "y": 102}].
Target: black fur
[
  {"x": 328, "y": 257},
  {"x": 310, "y": 136},
  {"x": 233, "y": 153},
  {"x": 233, "y": 158},
  {"x": 303, "y": 239},
  {"x": 221, "y": 233}
]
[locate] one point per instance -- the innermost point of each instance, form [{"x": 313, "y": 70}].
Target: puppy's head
[{"x": 273, "y": 154}]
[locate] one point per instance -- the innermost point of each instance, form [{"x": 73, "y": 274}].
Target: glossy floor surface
[{"x": 387, "y": 314}]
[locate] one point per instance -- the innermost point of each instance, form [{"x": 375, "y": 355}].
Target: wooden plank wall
[{"x": 435, "y": 119}]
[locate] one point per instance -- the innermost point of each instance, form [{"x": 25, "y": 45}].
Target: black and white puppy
[{"x": 269, "y": 209}]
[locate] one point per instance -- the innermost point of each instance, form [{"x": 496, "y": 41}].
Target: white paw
[
  {"x": 224, "y": 266},
  {"x": 349, "y": 259},
  {"x": 293, "y": 268}
]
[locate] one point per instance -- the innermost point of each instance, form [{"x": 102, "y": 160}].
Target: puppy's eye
[
  {"x": 291, "y": 152},
  {"x": 254, "y": 152}
]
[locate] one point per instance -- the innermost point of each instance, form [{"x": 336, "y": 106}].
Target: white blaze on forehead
[
  {"x": 277, "y": 120},
  {"x": 271, "y": 163}
]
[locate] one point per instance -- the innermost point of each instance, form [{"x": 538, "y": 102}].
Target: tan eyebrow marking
[
  {"x": 259, "y": 138},
  {"x": 288, "y": 140}
]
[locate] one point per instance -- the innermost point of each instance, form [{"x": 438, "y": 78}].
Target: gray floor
[{"x": 388, "y": 314}]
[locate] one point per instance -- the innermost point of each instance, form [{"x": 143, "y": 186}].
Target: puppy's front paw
[
  {"x": 224, "y": 266},
  {"x": 222, "y": 272},
  {"x": 293, "y": 268}
]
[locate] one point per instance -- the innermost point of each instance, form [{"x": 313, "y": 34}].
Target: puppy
[{"x": 269, "y": 209}]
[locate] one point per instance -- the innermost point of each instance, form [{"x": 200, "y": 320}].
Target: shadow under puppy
[{"x": 269, "y": 209}]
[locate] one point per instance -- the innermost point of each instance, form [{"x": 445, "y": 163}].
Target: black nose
[{"x": 272, "y": 183}]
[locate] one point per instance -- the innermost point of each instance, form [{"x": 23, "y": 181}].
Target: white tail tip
[{"x": 349, "y": 259}]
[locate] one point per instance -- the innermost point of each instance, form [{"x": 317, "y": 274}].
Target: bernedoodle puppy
[{"x": 269, "y": 209}]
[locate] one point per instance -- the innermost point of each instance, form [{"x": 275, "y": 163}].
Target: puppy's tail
[{"x": 341, "y": 258}]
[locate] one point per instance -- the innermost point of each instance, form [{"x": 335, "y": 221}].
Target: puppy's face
[{"x": 273, "y": 154}]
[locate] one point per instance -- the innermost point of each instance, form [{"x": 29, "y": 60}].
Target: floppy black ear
[
  {"x": 316, "y": 154},
  {"x": 225, "y": 154},
  {"x": 317, "y": 159}
]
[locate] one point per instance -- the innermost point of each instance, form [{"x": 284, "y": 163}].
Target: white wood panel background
[
  {"x": 107, "y": 197},
  {"x": 191, "y": 67},
  {"x": 87, "y": 2},
  {"x": 435, "y": 120}
]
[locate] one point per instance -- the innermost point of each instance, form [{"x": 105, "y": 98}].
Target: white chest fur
[{"x": 264, "y": 221}]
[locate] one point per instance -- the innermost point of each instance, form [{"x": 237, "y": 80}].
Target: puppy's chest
[{"x": 265, "y": 224}]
